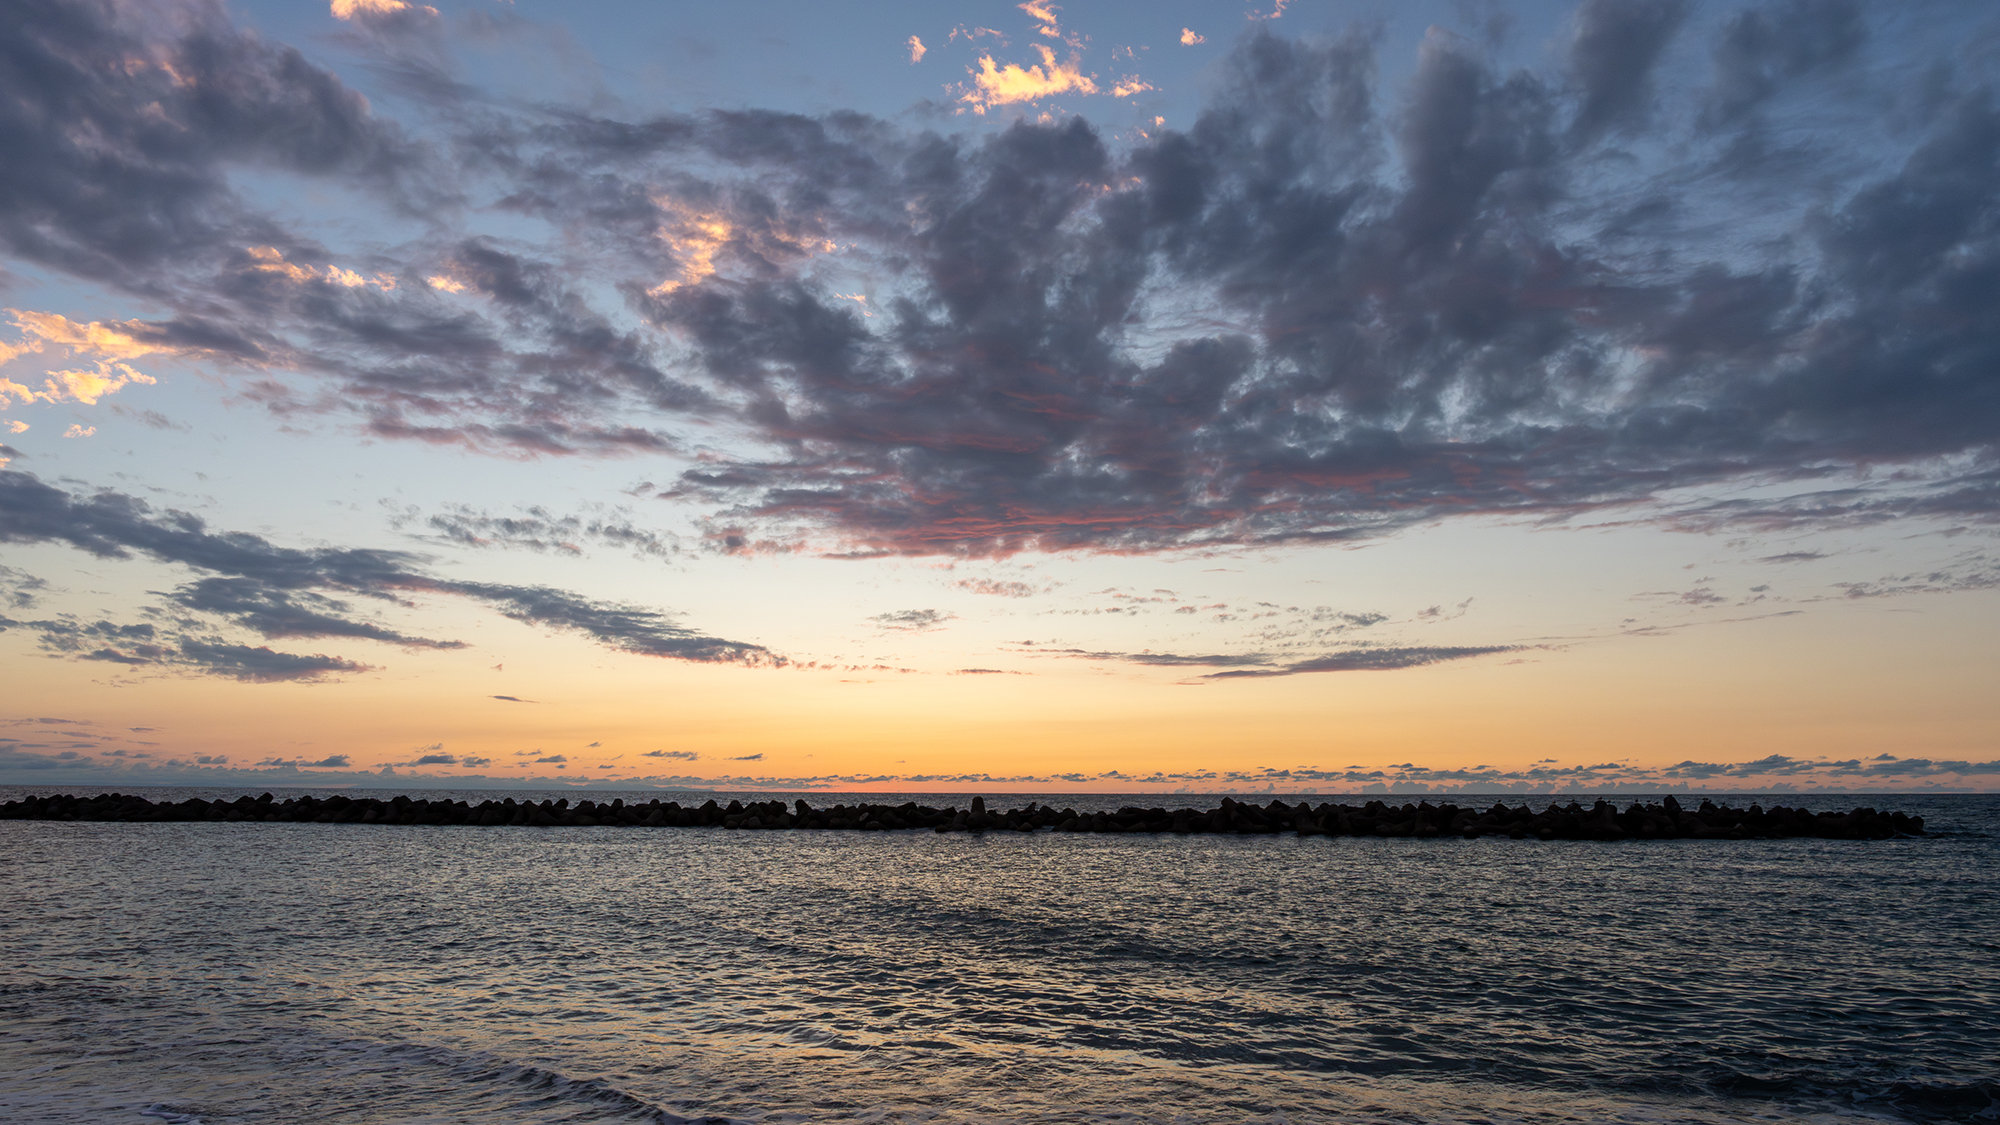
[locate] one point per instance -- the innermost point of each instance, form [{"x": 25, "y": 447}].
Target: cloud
[
  {"x": 540, "y": 530},
  {"x": 104, "y": 346},
  {"x": 1006, "y": 84},
  {"x": 1369, "y": 660},
  {"x": 553, "y": 758},
  {"x": 1189, "y": 38},
  {"x": 1613, "y": 48},
  {"x": 259, "y": 586},
  {"x": 147, "y": 107},
  {"x": 144, "y": 644},
  {"x": 19, "y": 589},
  {"x": 998, "y": 588},
  {"x": 475, "y": 763},
  {"x": 262, "y": 665},
  {"x": 677, "y": 755},
  {"x": 512, "y": 699},
  {"x": 749, "y": 758},
  {"x": 1334, "y": 306},
  {"x": 436, "y": 760},
  {"x": 913, "y": 620},
  {"x": 1771, "y": 774},
  {"x": 917, "y": 50},
  {"x": 1257, "y": 664},
  {"x": 1762, "y": 49}
]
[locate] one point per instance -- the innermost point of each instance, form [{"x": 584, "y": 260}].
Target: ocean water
[{"x": 351, "y": 973}]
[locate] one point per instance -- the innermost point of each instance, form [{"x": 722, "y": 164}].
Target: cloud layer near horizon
[
  {"x": 1326, "y": 309},
  {"x": 59, "y": 757}
]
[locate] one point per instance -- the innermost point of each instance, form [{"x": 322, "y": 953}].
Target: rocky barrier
[{"x": 1666, "y": 820}]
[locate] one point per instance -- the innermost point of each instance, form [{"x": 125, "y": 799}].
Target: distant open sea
[{"x": 320, "y": 973}]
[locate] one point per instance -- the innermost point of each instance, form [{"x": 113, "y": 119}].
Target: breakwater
[{"x": 1665, "y": 820}]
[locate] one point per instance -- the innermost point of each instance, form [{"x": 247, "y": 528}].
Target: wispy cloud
[
  {"x": 1264, "y": 665},
  {"x": 258, "y": 586},
  {"x": 912, "y": 620}
]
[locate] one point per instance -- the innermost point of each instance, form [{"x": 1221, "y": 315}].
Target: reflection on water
[{"x": 285, "y": 972}]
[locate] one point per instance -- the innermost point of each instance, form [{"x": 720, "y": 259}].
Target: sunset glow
[{"x": 1016, "y": 396}]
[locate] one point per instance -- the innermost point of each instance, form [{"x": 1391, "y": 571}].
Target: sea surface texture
[{"x": 255, "y": 972}]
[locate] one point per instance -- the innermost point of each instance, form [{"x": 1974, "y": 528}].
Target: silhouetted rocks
[{"x": 1602, "y": 821}]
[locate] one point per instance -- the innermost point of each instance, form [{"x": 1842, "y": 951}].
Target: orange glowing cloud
[
  {"x": 1005, "y": 85},
  {"x": 698, "y": 235},
  {"x": 81, "y": 386},
  {"x": 1189, "y": 38},
  {"x": 349, "y": 9},
  {"x": 268, "y": 259},
  {"x": 109, "y": 344},
  {"x": 88, "y": 386},
  {"x": 917, "y": 50},
  {"x": 1044, "y": 14},
  {"x": 695, "y": 237},
  {"x": 112, "y": 341}
]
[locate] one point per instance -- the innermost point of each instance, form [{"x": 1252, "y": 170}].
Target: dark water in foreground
[{"x": 349, "y": 973}]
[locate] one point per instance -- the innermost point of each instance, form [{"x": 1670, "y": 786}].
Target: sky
[{"x": 1164, "y": 397}]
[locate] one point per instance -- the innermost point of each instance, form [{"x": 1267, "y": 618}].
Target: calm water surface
[{"x": 349, "y": 973}]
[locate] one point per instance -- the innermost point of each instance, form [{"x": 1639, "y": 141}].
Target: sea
[{"x": 319, "y": 973}]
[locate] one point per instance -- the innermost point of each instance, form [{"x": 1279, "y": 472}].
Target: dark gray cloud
[
  {"x": 1327, "y": 308},
  {"x": 628, "y": 628},
  {"x": 1166, "y": 659},
  {"x": 1368, "y": 660},
  {"x": 121, "y": 122},
  {"x": 276, "y": 613},
  {"x": 262, "y": 665},
  {"x": 1258, "y": 664},
  {"x": 1615, "y": 46},
  {"x": 912, "y": 620},
  {"x": 274, "y": 591},
  {"x": 1761, "y": 49},
  {"x": 19, "y": 589},
  {"x": 538, "y": 529}
]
